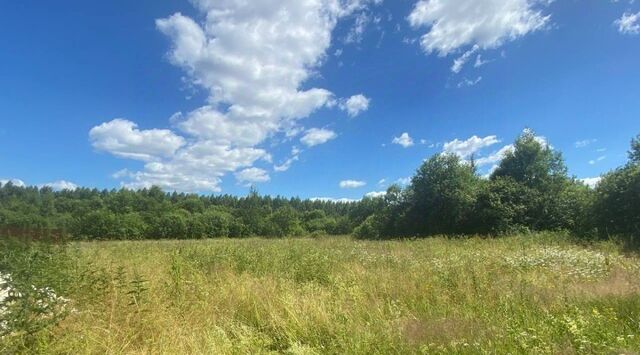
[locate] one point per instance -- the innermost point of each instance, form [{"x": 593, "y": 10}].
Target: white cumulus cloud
[
  {"x": 453, "y": 24},
  {"x": 465, "y": 148},
  {"x": 472, "y": 146},
  {"x": 197, "y": 167},
  {"x": 495, "y": 157},
  {"x": 252, "y": 175},
  {"x": 61, "y": 185},
  {"x": 122, "y": 138},
  {"x": 404, "y": 140},
  {"x": 252, "y": 60},
  {"x": 14, "y": 182},
  {"x": 355, "y": 105},
  {"x": 629, "y": 23},
  {"x": 375, "y": 194},
  {"x": 315, "y": 136},
  {"x": 591, "y": 182},
  {"x": 351, "y": 184}
]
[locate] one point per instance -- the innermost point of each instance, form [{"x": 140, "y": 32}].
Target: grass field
[{"x": 522, "y": 294}]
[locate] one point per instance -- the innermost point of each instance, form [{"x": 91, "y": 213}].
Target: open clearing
[{"x": 522, "y": 294}]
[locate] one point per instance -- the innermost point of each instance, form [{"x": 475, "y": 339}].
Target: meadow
[{"x": 535, "y": 293}]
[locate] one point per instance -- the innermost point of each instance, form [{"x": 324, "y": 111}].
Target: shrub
[{"x": 369, "y": 229}]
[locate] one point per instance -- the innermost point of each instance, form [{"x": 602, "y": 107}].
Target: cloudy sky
[{"x": 309, "y": 98}]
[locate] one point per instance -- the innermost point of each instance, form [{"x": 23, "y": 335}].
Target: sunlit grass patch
[{"x": 521, "y": 294}]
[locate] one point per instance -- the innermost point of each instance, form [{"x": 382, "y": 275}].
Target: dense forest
[{"x": 530, "y": 190}]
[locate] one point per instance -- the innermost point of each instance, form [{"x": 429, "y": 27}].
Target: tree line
[
  {"x": 530, "y": 190},
  {"x": 153, "y": 214}
]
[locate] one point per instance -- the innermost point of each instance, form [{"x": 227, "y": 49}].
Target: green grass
[{"x": 522, "y": 294}]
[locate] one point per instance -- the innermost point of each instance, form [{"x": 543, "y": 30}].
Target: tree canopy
[{"x": 528, "y": 190}]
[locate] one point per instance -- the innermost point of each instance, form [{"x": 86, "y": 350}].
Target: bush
[
  {"x": 284, "y": 222},
  {"x": 370, "y": 228},
  {"x": 171, "y": 225},
  {"x": 218, "y": 223},
  {"x": 100, "y": 224},
  {"x": 504, "y": 205}
]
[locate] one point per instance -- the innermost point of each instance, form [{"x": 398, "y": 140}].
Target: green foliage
[
  {"x": 504, "y": 205},
  {"x": 318, "y": 221},
  {"x": 537, "y": 293},
  {"x": 529, "y": 190},
  {"x": 617, "y": 206},
  {"x": 441, "y": 196},
  {"x": 634, "y": 152},
  {"x": 152, "y": 214},
  {"x": 371, "y": 228},
  {"x": 35, "y": 278},
  {"x": 99, "y": 224},
  {"x": 43, "y": 283},
  {"x": 532, "y": 162},
  {"x": 137, "y": 291},
  {"x": 172, "y": 225},
  {"x": 217, "y": 222},
  {"x": 285, "y": 222},
  {"x": 571, "y": 209},
  {"x": 389, "y": 220}
]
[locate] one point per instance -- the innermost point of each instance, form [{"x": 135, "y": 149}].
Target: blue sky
[{"x": 309, "y": 98}]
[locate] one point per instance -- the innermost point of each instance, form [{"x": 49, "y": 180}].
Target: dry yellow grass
[{"x": 522, "y": 294}]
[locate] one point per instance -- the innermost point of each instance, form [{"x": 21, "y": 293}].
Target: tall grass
[{"x": 521, "y": 294}]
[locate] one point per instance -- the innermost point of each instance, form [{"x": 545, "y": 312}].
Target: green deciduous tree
[
  {"x": 536, "y": 190},
  {"x": 441, "y": 196},
  {"x": 617, "y": 204},
  {"x": 532, "y": 162}
]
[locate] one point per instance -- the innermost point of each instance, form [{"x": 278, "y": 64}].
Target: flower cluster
[
  {"x": 574, "y": 262},
  {"x": 43, "y": 301},
  {"x": 4, "y": 295}
]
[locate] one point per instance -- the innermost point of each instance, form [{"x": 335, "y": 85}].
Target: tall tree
[
  {"x": 532, "y": 162},
  {"x": 441, "y": 195}
]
